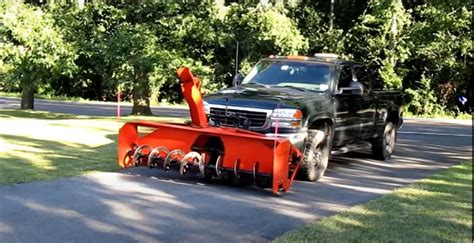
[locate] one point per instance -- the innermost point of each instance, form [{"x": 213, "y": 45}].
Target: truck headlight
[
  {"x": 287, "y": 118},
  {"x": 207, "y": 108}
]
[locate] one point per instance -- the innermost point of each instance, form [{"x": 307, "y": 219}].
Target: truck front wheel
[
  {"x": 384, "y": 144},
  {"x": 316, "y": 153}
]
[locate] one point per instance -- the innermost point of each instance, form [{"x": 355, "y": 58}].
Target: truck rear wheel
[
  {"x": 316, "y": 153},
  {"x": 383, "y": 146}
]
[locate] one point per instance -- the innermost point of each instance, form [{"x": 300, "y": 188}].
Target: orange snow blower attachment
[{"x": 214, "y": 152}]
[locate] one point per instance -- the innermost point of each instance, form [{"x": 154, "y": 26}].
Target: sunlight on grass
[
  {"x": 437, "y": 209},
  {"x": 43, "y": 145},
  {"x": 87, "y": 132}
]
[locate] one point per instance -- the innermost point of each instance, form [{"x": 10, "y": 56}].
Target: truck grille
[{"x": 237, "y": 118}]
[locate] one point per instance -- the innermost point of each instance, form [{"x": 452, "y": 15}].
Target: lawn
[
  {"x": 42, "y": 145},
  {"x": 436, "y": 209}
]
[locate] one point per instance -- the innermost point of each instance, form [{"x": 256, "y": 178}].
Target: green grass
[
  {"x": 437, "y": 209},
  {"x": 38, "y": 145}
]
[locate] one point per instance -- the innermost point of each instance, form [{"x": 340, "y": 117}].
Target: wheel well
[
  {"x": 322, "y": 124},
  {"x": 328, "y": 127},
  {"x": 393, "y": 117}
]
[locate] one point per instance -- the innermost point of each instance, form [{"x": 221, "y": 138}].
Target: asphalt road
[
  {"x": 142, "y": 205},
  {"x": 90, "y": 108}
]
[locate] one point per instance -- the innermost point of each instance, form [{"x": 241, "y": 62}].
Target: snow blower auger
[{"x": 224, "y": 152}]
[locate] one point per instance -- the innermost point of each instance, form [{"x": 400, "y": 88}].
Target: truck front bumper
[{"x": 297, "y": 139}]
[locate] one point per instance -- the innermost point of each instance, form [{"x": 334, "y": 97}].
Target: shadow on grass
[
  {"x": 37, "y": 159},
  {"x": 38, "y": 115}
]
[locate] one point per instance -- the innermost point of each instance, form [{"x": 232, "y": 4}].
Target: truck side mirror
[
  {"x": 350, "y": 91},
  {"x": 238, "y": 78}
]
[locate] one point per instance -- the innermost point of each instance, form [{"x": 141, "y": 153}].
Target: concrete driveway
[{"x": 142, "y": 205}]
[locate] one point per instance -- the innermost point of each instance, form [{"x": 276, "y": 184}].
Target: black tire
[
  {"x": 384, "y": 144},
  {"x": 316, "y": 154}
]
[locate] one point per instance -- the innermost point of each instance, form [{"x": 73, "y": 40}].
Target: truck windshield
[{"x": 284, "y": 73}]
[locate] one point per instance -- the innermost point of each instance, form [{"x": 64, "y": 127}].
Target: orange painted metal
[
  {"x": 191, "y": 88},
  {"x": 240, "y": 151},
  {"x": 297, "y": 57}
]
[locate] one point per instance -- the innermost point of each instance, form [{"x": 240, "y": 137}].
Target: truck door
[
  {"x": 347, "y": 107},
  {"x": 368, "y": 104}
]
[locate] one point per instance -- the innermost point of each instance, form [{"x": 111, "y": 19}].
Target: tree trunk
[
  {"x": 331, "y": 16},
  {"x": 27, "y": 97},
  {"x": 80, "y": 4},
  {"x": 141, "y": 98},
  {"x": 392, "y": 39}
]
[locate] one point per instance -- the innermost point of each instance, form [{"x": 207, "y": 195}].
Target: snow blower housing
[{"x": 212, "y": 151}]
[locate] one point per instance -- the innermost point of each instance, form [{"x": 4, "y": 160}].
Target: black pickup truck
[{"x": 323, "y": 105}]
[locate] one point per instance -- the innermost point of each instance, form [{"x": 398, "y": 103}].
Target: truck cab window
[
  {"x": 363, "y": 76},
  {"x": 290, "y": 74},
  {"x": 377, "y": 82},
  {"x": 345, "y": 78}
]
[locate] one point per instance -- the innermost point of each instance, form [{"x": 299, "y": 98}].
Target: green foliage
[
  {"x": 89, "y": 30},
  {"x": 261, "y": 31},
  {"x": 188, "y": 35},
  {"x": 133, "y": 52},
  {"x": 314, "y": 25},
  {"x": 423, "y": 99},
  {"x": 442, "y": 47},
  {"x": 378, "y": 41},
  {"x": 190, "y": 29},
  {"x": 139, "y": 46},
  {"x": 391, "y": 79},
  {"x": 167, "y": 88},
  {"x": 33, "y": 51},
  {"x": 62, "y": 50}
]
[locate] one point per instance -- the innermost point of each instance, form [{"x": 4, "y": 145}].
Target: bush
[{"x": 423, "y": 99}]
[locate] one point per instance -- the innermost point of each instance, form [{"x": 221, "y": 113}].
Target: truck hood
[{"x": 262, "y": 97}]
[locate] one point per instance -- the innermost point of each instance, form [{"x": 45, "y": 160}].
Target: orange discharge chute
[{"x": 214, "y": 152}]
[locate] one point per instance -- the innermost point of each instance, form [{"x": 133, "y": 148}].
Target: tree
[
  {"x": 134, "y": 54},
  {"x": 317, "y": 30},
  {"x": 442, "y": 51},
  {"x": 89, "y": 30},
  {"x": 378, "y": 39},
  {"x": 192, "y": 32},
  {"x": 261, "y": 31},
  {"x": 65, "y": 48},
  {"x": 34, "y": 49}
]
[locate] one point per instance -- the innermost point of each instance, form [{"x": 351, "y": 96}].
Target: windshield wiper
[
  {"x": 260, "y": 84},
  {"x": 293, "y": 87}
]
